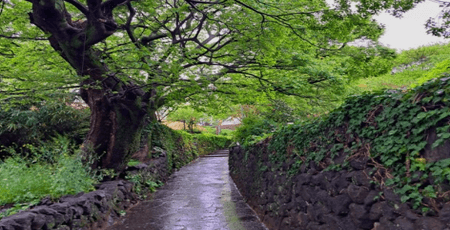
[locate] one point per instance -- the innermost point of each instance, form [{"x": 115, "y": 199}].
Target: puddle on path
[{"x": 201, "y": 196}]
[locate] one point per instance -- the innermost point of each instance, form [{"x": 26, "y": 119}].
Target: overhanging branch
[
  {"x": 82, "y": 8},
  {"x": 24, "y": 38}
]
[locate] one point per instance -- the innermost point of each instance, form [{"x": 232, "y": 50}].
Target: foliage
[
  {"x": 254, "y": 129},
  {"x": 293, "y": 51},
  {"x": 35, "y": 178},
  {"x": 138, "y": 56},
  {"x": 17, "y": 208},
  {"x": 411, "y": 68},
  {"x": 223, "y": 132},
  {"x": 209, "y": 129},
  {"x": 371, "y": 61},
  {"x": 32, "y": 123},
  {"x": 279, "y": 111},
  {"x": 162, "y": 140},
  {"x": 226, "y": 132},
  {"x": 421, "y": 54},
  {"x": 181, "y": 147},
  {"x": 188, "y": 116},
  {"x": 30, "y": 69},
  {"x": 437, "y": 70},
  {"x": 390, "y": 128},
  {"x": 440, "y": 24},
  {"x": 143, "y": 184},
  {"x": 133, "y": 162},
  {"x": 207, "y": 143}
]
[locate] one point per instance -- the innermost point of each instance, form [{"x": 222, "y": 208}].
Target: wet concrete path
[{"x": 200, "y": 196}]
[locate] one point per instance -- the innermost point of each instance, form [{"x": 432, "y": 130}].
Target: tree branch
[
  {"x": 127, "y": 25},
  {"x": 24, "y": 38},
  {"x": 79, "y": 6},
  {"x": 110, "y": 5},
  {"x": 25, "y": 91},
  {"x": 3, "y": 5},
  {"x": 276, "y": 88},
  {"x": 148, "y": 39}
]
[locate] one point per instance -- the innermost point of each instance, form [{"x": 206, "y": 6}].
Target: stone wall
[
  {"x": 83, "y": 211},
  {"x": 93, "y": 210},
  {"x": 318, "y": 199}
]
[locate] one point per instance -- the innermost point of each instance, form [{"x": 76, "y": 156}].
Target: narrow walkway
[{"x": 200, "y": 196}]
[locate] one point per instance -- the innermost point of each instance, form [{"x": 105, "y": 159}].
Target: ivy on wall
[{"x": 401, "y": 134}]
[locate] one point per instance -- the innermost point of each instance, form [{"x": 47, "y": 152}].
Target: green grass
[
  {"x": 53, "y": 169},
  {"x": 24, "y": 182},
  {"x": 435, "y": 60}
]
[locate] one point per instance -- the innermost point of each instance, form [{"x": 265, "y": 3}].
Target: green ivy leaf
[{"x": 437, "y": 143}]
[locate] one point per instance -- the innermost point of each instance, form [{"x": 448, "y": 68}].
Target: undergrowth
[
  {"x": 31, "y": 123},
  {"x": 51, "y": 170}
]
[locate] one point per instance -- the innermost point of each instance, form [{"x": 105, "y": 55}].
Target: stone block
[
  {"x": 404, "y": 223},
  {"x": 340, "y": 204},
  {"x": 428, "y": 223},
  {"x": 444, "y": 213},
  {"x": 357, "y": 193},
  {"x": 360, "y": 216},
  {"x": 340, "y": 182},
  {"x": 371, "y": 197}
]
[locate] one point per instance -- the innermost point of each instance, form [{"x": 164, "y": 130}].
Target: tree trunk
[
  {"x": 118, "y": 109},
  {"x": 118, "y": 112},
  {"x": 115, "y": 128}
]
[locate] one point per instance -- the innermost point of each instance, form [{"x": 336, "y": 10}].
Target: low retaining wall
[
  {"x": 93, "y": 210},
  {"x": 84, "y": 211},
  {"x": 328, "y": 200}
]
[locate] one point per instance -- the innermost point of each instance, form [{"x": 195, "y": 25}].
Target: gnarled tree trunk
[
  {"x": 116, "y": 125},
  {"x": 118, "y": 109}
]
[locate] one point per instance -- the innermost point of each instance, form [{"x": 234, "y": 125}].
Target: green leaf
[
  {"x": 429, "y": 191},
  {"x": 404, "y": 198},
  {"x": 437, "y": 143},
  {"x": 392, "y": 132},
  {"x": 444, "y": 135}
]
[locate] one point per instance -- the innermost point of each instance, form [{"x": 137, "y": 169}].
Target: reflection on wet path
[{"x": 201, "y": 196}]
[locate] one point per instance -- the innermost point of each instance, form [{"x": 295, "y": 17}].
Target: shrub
[
  {"x": 209, "y": 129},
  {"x": 226, "y": 132},
  {"x": 438, "y": 70},
  {"x": 254, "y": 129},
  {"x": 207, "y": 143},
  {"x": 414, "y": 67},
  {"x": 31, "y": 124},
  {"x": 176, "y": 144}
]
